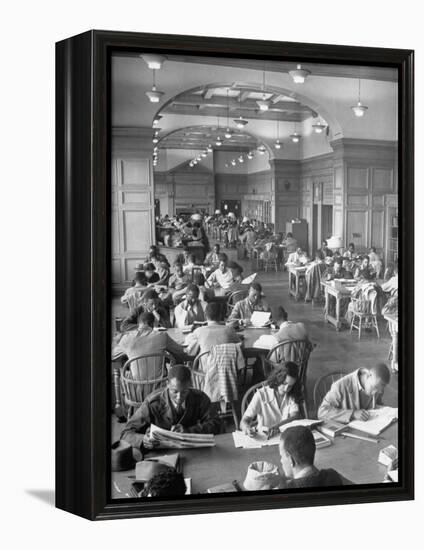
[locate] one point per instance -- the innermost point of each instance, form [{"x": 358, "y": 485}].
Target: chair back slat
[
  {"x": 143, "y": 375},
  {"x": 323, "y": 385}
]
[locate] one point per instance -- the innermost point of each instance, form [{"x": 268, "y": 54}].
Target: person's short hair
[
  {"x": 366, "y": 257},
  {"x": 186, "y": 249},
  {"x": 192, "y": 258},
  {"x": 180, "y": 373},
  {"x": 373, "y": 249},
  {"x": 299, "y": 443},
  {"x": 198, "y": 279},
  {"x": 150, "y": 294},
  {"x": 147, "y": 318},
  {"x": 178, "y": 265},
  {"x": 168, "y": 483},
  {"x": 282, "y": 313},
  {"x": 213, "y": 311},
  {"x": 325, "y": 242},
  {"x": 149, "y": 267},
  {"x": 235, "y": 266},
  {"x": 289, "y": 235},
  {"x": 338, "y": 260},
  {"x": 193, "y": 288},
  {"x": 139, "y": 277},
  {"x": 153, "y": 248},
  {"x": 223, "y": 257},
  {"x": 381, "y": 372},
  {"x": 217, "y": 245},
  {"x": 256, "y": 286},
  {"x": 351, "y": 244}
]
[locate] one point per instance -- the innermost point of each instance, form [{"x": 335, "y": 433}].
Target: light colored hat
[
  {"x": 217, "y": 211},
  {"x": 196, "y": 217},
  {"x": 262, "y": 476},
  {"x": 231, "y": 215},
  {"x": 245, "y": 219}
]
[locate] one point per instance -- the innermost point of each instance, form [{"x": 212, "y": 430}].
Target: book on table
[
  {"x": 379, "y": 419},
  {"x": 331, "y": 428},
  {"x": 320, "y": 439},
  {"x": 260, "y": 319}
]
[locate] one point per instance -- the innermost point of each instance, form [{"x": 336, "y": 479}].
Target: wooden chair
[
  {"x": 297, "y": 351},
  {"x": 143, "y": 375},
  {"x": 323, "y": 385},
  {"x": 199, "y": 362},
  {"x": 235, "y": 297},
  {"x": 364, "y": 314}
]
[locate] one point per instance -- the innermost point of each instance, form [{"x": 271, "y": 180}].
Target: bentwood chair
[
  {"x": 143, "y": 375},
  {"x": 297, "y": 351},
  {"x": 323, "y": 385},
  {"x": 235, "y": 297},
  {"x": 364, "y": 314},
  {"x": 250, "y": 392}
]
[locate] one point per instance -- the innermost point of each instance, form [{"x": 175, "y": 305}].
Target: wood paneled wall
[{"x": 132, "y": 229}]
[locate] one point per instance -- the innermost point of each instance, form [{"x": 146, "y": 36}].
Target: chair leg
[
  {"x": 360, "y": 327},
  {"x": 351, "y": 323},
  {"x": 233, "y": 410},
  {"x": 376, "y": 327}
]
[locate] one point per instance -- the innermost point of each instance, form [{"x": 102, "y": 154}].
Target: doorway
[{"x": 231, "y": 206}]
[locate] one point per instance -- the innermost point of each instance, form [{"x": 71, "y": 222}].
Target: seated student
[
  {"x": 155, "y": 257},
  {"x": 149, "y": 302},
  {"x": 221, "y": 277},
  {"x": 237, "y": 273},
  {"x": 150, "y": 275},
  {"x": 375, "y": 262},
  {"x": 274, "y": 404},
  {"x": 168, "y": 483},
  {"x": 391, "y": 283},
  {"x": 132, "y": 295},
  {"x": 335, "y": 271},
  {"x": 203, "y": 338},
  {"x": 324, "y": 251},
  {"x": 205, "y": 294},
  {"x": 297, "y": 451},
  {"x": 178, "y": 407},
  {"x": 164, "y": 273},
  {"x": 178, "y": 282},
  {"x": 365, "y": 272},
  {"x": 182, "y": 258},
  {"x": 288, "y": 329},
  {"x": 391, "y": 270},
  {"x": 290, "y": 243},
  {"x": 212, "y": 258},
  {"x": 349, "y": 259},
  {"x": 190, "y": 264},
  {"x": 356, "y": 393},
  {"x": 297, "y": 258},
  {"x": 350, "y": 253},
  {"x": 242, "y": 310},
  {"x": 146, "y": 341},
  {"x": 189, "y": 310}
]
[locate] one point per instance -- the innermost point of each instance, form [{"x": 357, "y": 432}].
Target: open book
[
  {"x": 176, "y": 440},
  {"x": 260, "y": 319},
  {"x": 378, "y": 421}
]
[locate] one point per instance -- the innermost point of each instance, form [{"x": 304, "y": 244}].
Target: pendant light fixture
[
  {"x": 153, "y": 61},
  {"x": 209, "y": 149},
  {"x": 261, "y": 150},
  {"x": 228, "y": 132},
  {"x": 250, "y": 155},
  {"x": 263, "y": 103},
  {"x": 295, "y": 137},
  {"x": 241, "y": 159},
  {"x": 218, "y": 141},
  {"x": 277, "y": 143},
  {"x": 240, "y": 122},
  {"x": 319, "y": 127},
  {"x": 359, "y": 110},
  {"x": 154, "y": 95},
  {"x": 156, "y": 120},
  {"x": 299, "y": 75}
]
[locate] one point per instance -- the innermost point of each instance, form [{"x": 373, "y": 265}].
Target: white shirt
[
  {"x": 224, "y": 280},
  {"x": 264, "y": 407}
]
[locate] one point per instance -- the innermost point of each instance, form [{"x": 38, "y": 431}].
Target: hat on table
[
  {"x": 122, "y": 456},
  {"x": 262, "y": 476}
]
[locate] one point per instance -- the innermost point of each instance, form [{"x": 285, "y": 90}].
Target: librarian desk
[{"x": 207, "y": 467}]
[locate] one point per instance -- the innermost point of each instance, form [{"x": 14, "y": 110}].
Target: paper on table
[
  {"x": 379, "y": 419},
  {"x": 187, "y": 481},
  {"x": 246, "y": 442},
  {"x": 249, "y": 279},
  {"x": 260, "y": 318}
]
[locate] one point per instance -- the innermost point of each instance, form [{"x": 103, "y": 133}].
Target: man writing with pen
[
  {"x": 177, "y": 407},
  {"x": 356, "y": 393},
  {"x": 275, "y": 403}
]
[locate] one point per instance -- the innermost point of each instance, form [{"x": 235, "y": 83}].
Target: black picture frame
[{"x": 82, "y": 272}]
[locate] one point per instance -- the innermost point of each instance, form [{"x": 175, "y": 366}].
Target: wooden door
[{"x": 132, "y": 216}]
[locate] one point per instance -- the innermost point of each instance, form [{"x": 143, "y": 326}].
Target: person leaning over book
[
  {"x": 178, "y": 407},
  {"x": 356, "y": 392},
  {"x": 297, "y": 452}
]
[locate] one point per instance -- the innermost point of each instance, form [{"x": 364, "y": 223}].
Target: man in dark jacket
[
  {"x": 297, "y": 451},
  {"x": 178, "y": 407},
  {"x": 151, "y": 303}
]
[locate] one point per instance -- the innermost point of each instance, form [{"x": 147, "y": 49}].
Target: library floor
[{"x": 334, "y": 351}]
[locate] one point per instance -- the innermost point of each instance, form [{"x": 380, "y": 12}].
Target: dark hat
[{"x": 122, "y": 456}]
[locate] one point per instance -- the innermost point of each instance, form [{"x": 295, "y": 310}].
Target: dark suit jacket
[
  {"x": 158, "y": 409},
  {"x": 131, "y": 322}
]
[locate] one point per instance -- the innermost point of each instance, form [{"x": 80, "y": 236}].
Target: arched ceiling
[{"x": 195, "y": 95}]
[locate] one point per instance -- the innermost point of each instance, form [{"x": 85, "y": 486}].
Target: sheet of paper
[
  {"x": 243, "y": 441},
  {"x": 260, "y": 318},
  {"x": 187, "y": 481},
  {"x": 249, "y": 279},
  {"x": 379, "y": 419}
]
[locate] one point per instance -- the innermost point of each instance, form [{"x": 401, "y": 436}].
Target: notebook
[
  {"x": 378, "y": 421},
  {"x": 320, "y": 440}
]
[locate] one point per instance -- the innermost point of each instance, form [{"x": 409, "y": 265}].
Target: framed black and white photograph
[{"x": 235, "y": 250}]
